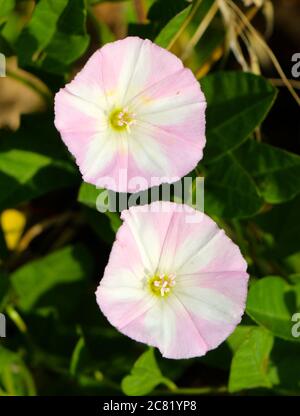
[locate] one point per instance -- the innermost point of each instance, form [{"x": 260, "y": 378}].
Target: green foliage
[
  {"x": 164, "y": 10},
  {"x": 230, "y": 190},
  {"x": 160, "y": 15},
  {"x": 88, "y": 195},
  {"x": 145, "y": 376},
  {"x": 272, "y": 303},
  {"x": 36, "y": 164},
  {"x": 37, "y": 35},
  {"x": 284, "y": 367},
  {"x": 6, "y": 6},
  {"x": 275, "y": 171},
  {"x": 78, "y": 357},
  {"x": 237, "y": 103},
  {"x": 170, "y": 30},
  {"x": 55, "y": 36},
  {"x": 59, "y": 342},
  {"x": 249, "y": 367},
  {"x": 14, "y": 375},
  {"x": 46, "y": 281}
]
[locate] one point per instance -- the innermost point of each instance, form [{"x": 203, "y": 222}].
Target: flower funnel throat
[
  {"x": 161, "y": 284},
  {"x": 122, "y": 119}
]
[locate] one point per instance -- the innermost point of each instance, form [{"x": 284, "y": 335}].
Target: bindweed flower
[
  {"x": 135, "y": 110},
  {"x": 173, "y": 284}
]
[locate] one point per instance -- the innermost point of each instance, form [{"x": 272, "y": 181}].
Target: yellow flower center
[
  {"x": 122, "y": 119},
  {"x": 161, "y": 284}
]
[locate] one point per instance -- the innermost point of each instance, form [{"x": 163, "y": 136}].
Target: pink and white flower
[
  {"x": 134, "y": 109},
  {"x": 175, "y": 285}
]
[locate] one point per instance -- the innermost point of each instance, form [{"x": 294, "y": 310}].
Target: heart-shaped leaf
[
  {"x": 237, "y": 103},
  {"x": 272, "y": 303},
  {"x": 275, "y": 171},
  {"x": 249, "y": 367},
  {"x": 145, "y": 376}
]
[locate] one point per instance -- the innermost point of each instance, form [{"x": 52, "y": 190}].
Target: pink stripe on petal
[
  {"x": 88, "y": 83},
  {"x": 177, "y": 330},
  {"x": 232, "y": 284},
  {"x": 167, "y": 108},
  {"x": 205, "y": 303}
]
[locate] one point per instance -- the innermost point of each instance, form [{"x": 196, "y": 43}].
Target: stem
[
  {"x": 140, "y": 9},
  {"x": 201, "y": 390},
  {"x": 205, "y": 22},
  {"x": 219, "y": 50},
  {"x": 278, "y": 82},
  {"x": 8, "y": 382},
  {"x": 266, "y": 48},
  {"x": 187, "y": 21},
  {"x": 46, "y": 96},
  {"x": 39, "y": 228},
  {"x": 170, "y": 384},
  {"x": 16, "y": 318},
  {"x": 31, "y": 389},
  {"x": 194, "y": 390},
  {"x": 95, "y": 23}
]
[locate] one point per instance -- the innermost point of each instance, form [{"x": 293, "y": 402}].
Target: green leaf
[
  {"x": 7, "y": 357},
  {"x": 92, "y": 2},
  {"x": 272, "y": 303},
  {"x": 159, "y": 15},
  {"x": 236, "y": 339},
  {"x": 31, "y": 164},
  {"x": 88, "y": 195},
  {"x": 55, "y": 36},
  {"x": 229, "y": 190},
  {"x": 250, "y": 363},
  {"x": 285, "y": 367},
  {"x": 14, "y": 375},
  {"x": 283, "y": 227},
  {"x": 39, "y": 31},
  {"x": 145, "y": 376},
  {"x": 275, "y": 171},
  {"x": 51, "y": 280},
  {"x": 164, "y": 10},
  {"x": 6, "y": 6},
  {"x": 237, "y": 103},
  {"x": 70, "y": 40},
  {"x": 211, "y": 39},
  {"x": 169, "y": 31}
]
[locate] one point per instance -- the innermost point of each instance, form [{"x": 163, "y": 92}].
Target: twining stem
[
  {"x": 205, "y": 22},
  {"x": 185, "y": 24},
  {"x": 16, "y": 318}
]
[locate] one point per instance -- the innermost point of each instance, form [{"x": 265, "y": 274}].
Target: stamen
[
  {"x": 161, "y": 283},
  {"x": 121, "y": 119}
]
